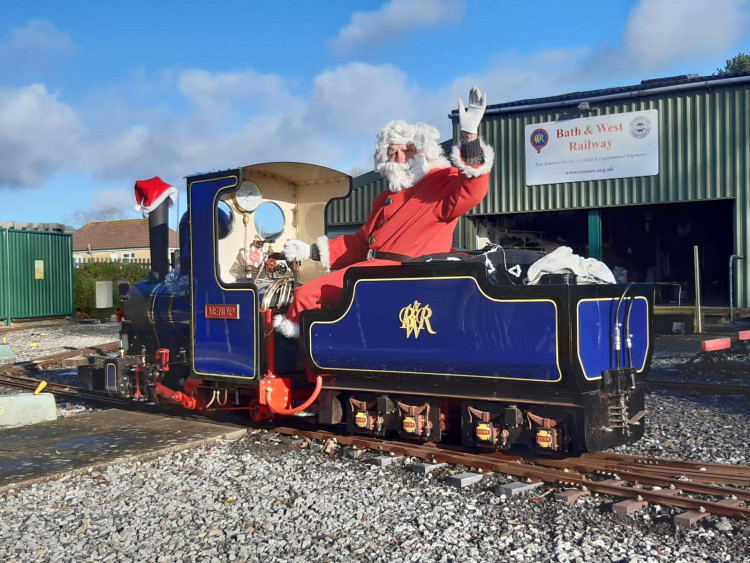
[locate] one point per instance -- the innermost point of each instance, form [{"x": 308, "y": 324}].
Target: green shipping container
[{"x": 36, "y": 274}]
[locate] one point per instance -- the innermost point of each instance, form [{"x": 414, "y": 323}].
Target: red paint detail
[
  {"x": 162, "y": 356},
  {"x": 222, "y": 311},
  {"x": 258, "y": 412},
  {"x": 716, "y": 344},
  {"x": 743, "y": 335},
  {"x": 274, "y": 392},
  {"x": 190, "y": 403},
  {"x": 192, "y": 384}
]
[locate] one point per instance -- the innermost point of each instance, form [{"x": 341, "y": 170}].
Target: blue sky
[{"x": 95, "y": 95}]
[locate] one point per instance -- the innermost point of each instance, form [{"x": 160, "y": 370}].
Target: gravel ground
[
  {"x": 261, "y": 499},
  {"x": 45, "y": 339}
]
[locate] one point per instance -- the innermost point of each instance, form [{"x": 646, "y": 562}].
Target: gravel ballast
[{"x": 260, "y": 498}]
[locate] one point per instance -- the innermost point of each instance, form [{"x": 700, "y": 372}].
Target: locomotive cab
[{"x": 242, "y": 273}]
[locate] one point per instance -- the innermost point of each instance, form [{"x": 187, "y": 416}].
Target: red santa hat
[{"x": 149, "y": 194}]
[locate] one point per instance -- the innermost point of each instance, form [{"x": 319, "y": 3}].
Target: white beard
[
  {"x": 399, "y": 175},
  {"x": 403, "y": 175}
]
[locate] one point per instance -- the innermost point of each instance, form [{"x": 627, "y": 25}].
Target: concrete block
[
  {"x": 6, "y": 351},
  {"x": 626, "y": 507},
  {"x": 571, "y": 495},
  {"x": 425, "y": 468},
  {"x": 716, "y": 344},
  {"x": 27, "y": 408},
  {"x": 385, "y": 460},
  {"x": 292, "y": 441},
  {"x": 516, "y": 488},
  {"x": 687, "y": 519},
  {"x": 463, "y": 479},
  {"x": 352, "y": 453}
]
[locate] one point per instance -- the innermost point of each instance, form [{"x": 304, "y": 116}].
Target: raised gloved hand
[
  {"x": 296, "y": 250},
  {"x": 470, "y": 117}
]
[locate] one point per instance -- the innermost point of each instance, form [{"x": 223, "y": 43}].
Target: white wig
[{"x": 424, "y": 138}]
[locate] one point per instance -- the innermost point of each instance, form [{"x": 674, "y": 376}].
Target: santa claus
[{"x": 416, "y": 217}]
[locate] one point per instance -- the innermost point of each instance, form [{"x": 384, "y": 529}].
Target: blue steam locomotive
[{"x": 442, "y": 348}]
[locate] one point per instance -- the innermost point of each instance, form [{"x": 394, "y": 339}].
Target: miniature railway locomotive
[{"x": 441, "y": 348}]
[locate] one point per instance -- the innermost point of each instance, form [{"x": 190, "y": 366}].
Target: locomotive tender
[{"x": 435, "y": 349}]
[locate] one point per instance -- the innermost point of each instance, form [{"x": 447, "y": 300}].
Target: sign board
[
  {"x": 222, "y": 311},
  {"x": 620, "y": 145},
  {"x": 104, "y": 298}
]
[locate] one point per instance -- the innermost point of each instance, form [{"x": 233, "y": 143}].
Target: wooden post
[{"x": 698, "y": 324}]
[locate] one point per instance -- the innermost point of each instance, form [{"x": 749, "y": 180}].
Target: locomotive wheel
[{"x": 258, "y": 412}]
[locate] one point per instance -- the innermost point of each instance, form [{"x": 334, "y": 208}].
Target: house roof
[{"x": 116, "y": 235}]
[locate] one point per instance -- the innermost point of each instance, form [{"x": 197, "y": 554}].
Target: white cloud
[
  {"x": 38, "y": 135},
  {"x": 36, "y": 38},
  {"x": 358, "y": 98},
  {"x": 218, "y": 91},
  {"x": 393, "y": 19},
  {"x": 27, "y": 51},
  {"x": 661, "y": 31}
]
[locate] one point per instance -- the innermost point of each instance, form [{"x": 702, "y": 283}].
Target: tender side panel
[
  {"x": 439, "y": 326},
  {"x": 596, "y": 346},
  {"x": 224, "y": 315}
]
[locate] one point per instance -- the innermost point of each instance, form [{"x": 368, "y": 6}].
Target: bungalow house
[{"x": 123, "y": 240}]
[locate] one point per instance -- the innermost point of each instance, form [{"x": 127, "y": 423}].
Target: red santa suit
[{"x": 413, "y": 222}]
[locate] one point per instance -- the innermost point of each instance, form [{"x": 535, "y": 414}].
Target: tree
[
  {"x": 736, "y": 64},
  {"x": 79, "y": 217}
]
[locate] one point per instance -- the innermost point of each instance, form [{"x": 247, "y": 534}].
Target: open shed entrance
[{"x": 651, "y": 243}]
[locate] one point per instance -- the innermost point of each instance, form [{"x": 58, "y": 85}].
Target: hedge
[{"x": 84, "y": 285}]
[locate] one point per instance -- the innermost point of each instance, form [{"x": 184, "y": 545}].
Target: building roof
[
  {"x": 669, "y": 83},
  {"x": 116, "y": 235}
]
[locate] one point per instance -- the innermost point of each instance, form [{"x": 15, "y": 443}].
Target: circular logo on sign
[
  {"x": 539, "y": 139},
  {"x": 640, "y": 127}
]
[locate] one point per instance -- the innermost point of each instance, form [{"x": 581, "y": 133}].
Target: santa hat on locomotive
[{"x": 149, "y": 194}]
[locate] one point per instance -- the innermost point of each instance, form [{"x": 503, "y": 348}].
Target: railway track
[
  {"x": 16, "y": 376},
  {"x": 699, "y": 488}
]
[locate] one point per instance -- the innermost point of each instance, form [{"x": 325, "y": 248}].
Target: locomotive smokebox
[{"x": 158, "y": 234}]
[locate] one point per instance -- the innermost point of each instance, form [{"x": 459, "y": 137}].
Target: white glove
[
  {"x": 469, "y": 118},
  {"x": 296, "y": 250}
]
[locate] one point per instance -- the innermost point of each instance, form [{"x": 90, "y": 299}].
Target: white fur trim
[
  {"x": 470, "y": 171},
  {"x": 285, "y": 327},
  {"x": 170, "y": 193},
  {"x": 325, "y": 255}
]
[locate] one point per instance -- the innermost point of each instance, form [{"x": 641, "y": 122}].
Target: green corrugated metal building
[
  {"x": 36, "y": 274},
  {"x": 688, "y": 188}
]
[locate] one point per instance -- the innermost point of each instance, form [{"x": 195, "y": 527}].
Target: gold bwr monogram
[{"x": 415, "y": 318}]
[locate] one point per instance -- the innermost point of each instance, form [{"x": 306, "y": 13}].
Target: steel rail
[
  {"x": 516, "y": 466},
  {"x": 572, "y": 472}
]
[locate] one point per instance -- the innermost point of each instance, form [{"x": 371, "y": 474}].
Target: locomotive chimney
[
  {"x": 158, "y": 234},
  {"x": 153, "y": 197}
]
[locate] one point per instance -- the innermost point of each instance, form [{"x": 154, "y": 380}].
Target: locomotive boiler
[{"x": 451, "y": 347}]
